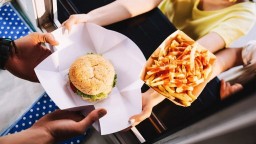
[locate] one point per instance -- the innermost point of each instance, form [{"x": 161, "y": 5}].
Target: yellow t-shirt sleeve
[{"x": 236, "y": 26}]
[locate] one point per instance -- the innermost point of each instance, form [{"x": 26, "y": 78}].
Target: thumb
[
  {"x": 68, "y": 24},
  {"x": 136, "y": 119},
  {"x": 92, "y": 117},
  {"x": 45, "y": 38},
  {"x": 49, "y": 38}
]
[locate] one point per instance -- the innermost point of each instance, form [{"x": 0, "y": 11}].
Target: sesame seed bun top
[{"x": 92, "y": 74}]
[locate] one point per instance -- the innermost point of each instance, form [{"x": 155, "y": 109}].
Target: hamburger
[{"x": 92, "y": 77}]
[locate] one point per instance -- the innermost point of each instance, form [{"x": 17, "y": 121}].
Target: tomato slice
[{"x": 73, "y": 87}]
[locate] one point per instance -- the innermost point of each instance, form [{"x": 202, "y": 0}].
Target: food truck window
[{"x": 148, "y": 31}]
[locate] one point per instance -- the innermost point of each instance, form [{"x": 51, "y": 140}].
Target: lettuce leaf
[{"x": 93, "y": 97}]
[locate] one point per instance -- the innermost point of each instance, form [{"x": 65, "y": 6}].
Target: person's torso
[{"x": 186, "y": 16}]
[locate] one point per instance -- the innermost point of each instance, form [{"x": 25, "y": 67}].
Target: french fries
[{"x": 179, "y": 69}]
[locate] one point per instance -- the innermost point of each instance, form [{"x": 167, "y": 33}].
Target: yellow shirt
[{"x": 230, "y": 23}]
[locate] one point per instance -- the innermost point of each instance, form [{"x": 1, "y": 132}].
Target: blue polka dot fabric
[
  {"x": 41, "y": 107},
  {"x": 13, "y": 26}
]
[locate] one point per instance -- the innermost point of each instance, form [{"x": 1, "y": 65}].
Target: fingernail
[
  {"x": 131, "y": 121},
  {"x": 102, "y": 112}
]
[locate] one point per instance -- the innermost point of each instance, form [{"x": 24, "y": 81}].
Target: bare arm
[
  {"x": 54, "y": 127},
  {"x": 29, "y": 136},
  {"x": 120, "y": 10},
  {"x": 212, "y": 41},
  {"x": 226, "y": 59},
  {"x": 114, "y": 12}
]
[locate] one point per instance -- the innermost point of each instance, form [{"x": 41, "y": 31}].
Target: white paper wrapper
[{"x": 125, "y": 99}]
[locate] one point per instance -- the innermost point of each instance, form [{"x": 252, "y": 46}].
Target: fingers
[
  {"x": 74, "y": 19},
  {"x": 226, "y": 89},
  {"x": 44, "y": 38},
  {"x": 65, "y": 114},
  {"x": 69, "y": 22},
  {"x": 48, "y": 38},
  {"x": 92, "y": 117},
  {"x": 222, "y": 85},
  {"x": 136, "y": 119},
  {"x": 236, "y": 87}
]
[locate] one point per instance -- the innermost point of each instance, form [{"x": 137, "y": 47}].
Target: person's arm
[
  {"x": 114, "y": 12},
  {"x": 226, "y": 59},
  {"x": 29, "y": 136},
  {"x": 54, "y": 127},
  {"x": 212, "y": 41}
]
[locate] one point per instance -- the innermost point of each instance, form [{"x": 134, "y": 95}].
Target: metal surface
[
  {"x": 42, "y": 14},
  {"x": 222, "y": 122},
  {"x": 46, "y": 10}
]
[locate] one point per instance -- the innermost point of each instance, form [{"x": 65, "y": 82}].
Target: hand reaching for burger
[
  {"x": 28, "y": 54},
  {"x": 63, "y": 124},
  {"x": 54, "y": 127}
]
